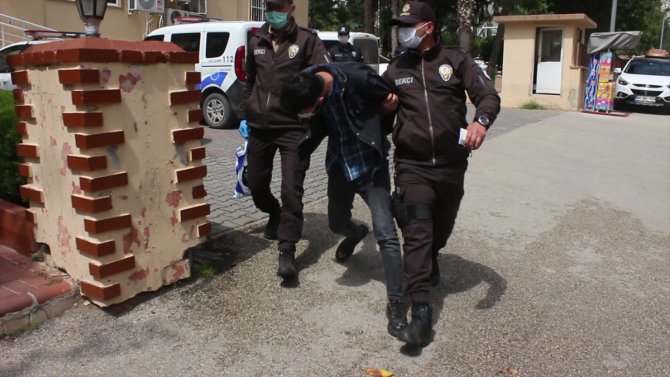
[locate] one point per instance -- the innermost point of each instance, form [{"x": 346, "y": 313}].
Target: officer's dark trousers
[
  {"x": 442, "y": 189},
  {"x": 376, "y": 194},
  {"x": 263, "y": 144}
]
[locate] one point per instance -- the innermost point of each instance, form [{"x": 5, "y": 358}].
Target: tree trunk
[
  {"x": 394, "y": 29},
  {"x": 369, "y": 10},
  {"x": 466, "y": 9},
  {"x": 495, "y": 52}
]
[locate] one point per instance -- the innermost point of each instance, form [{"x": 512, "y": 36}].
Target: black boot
[
  {"x": 271, "y": 227},
  {"x": 420, "y": 329},
  {"x": 286, "y": 267},
  {"x": 396, "y": 314},
  {"x": 347, "y": 246},
  {"x": 435, "y": 273}
]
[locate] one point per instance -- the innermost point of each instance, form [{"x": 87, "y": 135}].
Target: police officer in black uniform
[
  {"x": 432, "y": 149},
  {"x": 345, "y": 51}
]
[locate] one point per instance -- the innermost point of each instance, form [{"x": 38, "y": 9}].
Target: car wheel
[{"x": 217, "y": 111}]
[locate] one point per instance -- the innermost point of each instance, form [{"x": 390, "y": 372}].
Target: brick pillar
[{"x": 111, "y": 143}]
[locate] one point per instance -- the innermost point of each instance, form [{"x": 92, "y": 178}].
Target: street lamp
[
  {"x": 665, "y": 19},
  {"x": 91, "y": 12}
]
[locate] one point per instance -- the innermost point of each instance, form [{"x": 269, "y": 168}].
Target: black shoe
[
  {"x": 396, "y": 314},
  {"x": 271, "y": 227},
  {"x": 420, "y": 328},
  {"x": 435, "y": 273},
  {"x": 347, "y": 246},
  {"x": 286, "y": 267}
]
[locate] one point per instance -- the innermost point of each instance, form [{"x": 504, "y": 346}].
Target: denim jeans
[{"x": 376, "y": 194}]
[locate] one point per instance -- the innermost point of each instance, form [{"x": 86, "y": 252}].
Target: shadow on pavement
[{"x": 460, "y": 275}]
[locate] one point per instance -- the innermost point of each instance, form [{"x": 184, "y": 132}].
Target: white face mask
[
  {"x": 407, "y": 36},
  {"x": 343, "y": 39}
]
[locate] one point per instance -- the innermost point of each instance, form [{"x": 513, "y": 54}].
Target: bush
[
  {"x": 532, "y": 105},
  {"x": 9, "y": 177}
]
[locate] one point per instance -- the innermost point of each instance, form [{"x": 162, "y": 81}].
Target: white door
[{"x": 549, "y": 61}]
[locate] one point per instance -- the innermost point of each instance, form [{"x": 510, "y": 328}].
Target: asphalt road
[{"x": 558, "y": 266}]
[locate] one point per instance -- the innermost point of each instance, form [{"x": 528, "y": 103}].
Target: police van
[
  {"x": 221, "y": 47},
  {"x": 368, "y": 43}
]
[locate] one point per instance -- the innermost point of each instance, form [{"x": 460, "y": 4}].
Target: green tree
[{"x": 9, "y": 179}]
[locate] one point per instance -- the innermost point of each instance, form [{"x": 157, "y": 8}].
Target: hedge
[{"x": 9, "y": 177}]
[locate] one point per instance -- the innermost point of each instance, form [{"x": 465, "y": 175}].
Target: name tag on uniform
[
  {"x": 259, "y": 51},
  {"x": 404, "y": 81}
]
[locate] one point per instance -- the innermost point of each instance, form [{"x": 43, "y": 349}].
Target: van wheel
[{"x": 217, "y": 111}]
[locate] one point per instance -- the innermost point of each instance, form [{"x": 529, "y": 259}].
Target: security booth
[{"x": 544, "y": 59}]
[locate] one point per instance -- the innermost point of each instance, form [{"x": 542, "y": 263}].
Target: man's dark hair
[{"x": 300, "y": 91}]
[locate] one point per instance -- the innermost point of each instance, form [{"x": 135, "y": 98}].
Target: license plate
[{"x": 645, "y": 99}]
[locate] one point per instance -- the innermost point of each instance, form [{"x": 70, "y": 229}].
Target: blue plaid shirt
[{"x": 355, "y": 158}]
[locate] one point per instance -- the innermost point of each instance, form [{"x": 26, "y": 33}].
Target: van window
[
  {"x": 188, "y": 41},
  {"x": 216, "y": 44},
  {"x": 370, "y": 50},
  {"x": 154, "y": 38}
]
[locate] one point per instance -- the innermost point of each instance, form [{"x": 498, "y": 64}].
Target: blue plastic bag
[{"x": 241, "y": 187}]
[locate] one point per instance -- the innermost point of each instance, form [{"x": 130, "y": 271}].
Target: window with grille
[{"x": 257, "y": 10}]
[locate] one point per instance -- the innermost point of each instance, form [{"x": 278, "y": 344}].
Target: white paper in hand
[{"x": 462, "y": 135}]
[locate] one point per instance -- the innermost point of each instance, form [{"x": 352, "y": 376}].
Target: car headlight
[{"x": 622, "y": 81}]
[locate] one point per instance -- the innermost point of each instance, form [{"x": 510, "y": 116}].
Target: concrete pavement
[{"x": 558, "y": 266}]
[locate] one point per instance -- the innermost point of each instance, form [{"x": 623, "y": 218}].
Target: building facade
[{"x": 126, "y": 19}]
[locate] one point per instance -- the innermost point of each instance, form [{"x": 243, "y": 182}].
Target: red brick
[
  {"x": 102, "y": 271},
  {"x": 100, "y": 293},
  {"x": 96, "y": 97},
  {"x": 92, "y": 55},
  {"x": 31, "y": 193},
  {"x": 183, "y": 57},
  {"x": 132, "y": 57},
  {"x": 30, "y": 217},
  {"x": 91, "y": 205},
  {"x": 108, "y": 224},
  {"x": 198, "y": 192},
  {"x": 89, "y": 184},
  {"x": 204, "y": 229},
  {"x": 189, "y": 174},
  {"x": 26, "y": 150},
  {"x": 182, "y": 135},
  {"x": 79, "y": 76},
  {"x": 50, "y": 290},
  {"x": 86, "y": 163},
  {"x": 197, "y": 153},
  {"x": 15, "y": 303},
  {"x": 95, "y": 249},
  {"x": 193, "y": 212},
  {"x": 20, "y": 77},
  {"x": 24, "y": 111},
  {"x": 24, "y": 170},
  {"x": 82, "y": 119},
  {"x": 195, "y": 115},
  {"x": 101, "y": 139},
  {"x": 15, "y": 60},
  {"x": 22, "y": 128},
  {"x": 192, "y": 78},
  {"x": 152, "y": 57},
  {"x": 185, "y": 96},
  {"x": 18, "y": 95}
]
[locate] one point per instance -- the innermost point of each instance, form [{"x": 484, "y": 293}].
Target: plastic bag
[{"x": 241, "y": 187}]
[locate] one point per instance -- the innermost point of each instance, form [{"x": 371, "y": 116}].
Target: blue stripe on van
[{"x": 215, "y": 78}]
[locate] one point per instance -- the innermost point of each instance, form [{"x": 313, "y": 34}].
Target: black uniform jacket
[
  {"x": 298, "y": 48},
  {"x": 345, "y": 53},
  {"x": 432, "y": 92},
  {"x": 363, "y": 91}
]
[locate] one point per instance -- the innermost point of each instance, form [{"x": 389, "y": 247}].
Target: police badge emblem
[
  {"x": 293, "y": 51},
  {"x": 446, "y": 71},
  {"x": 405, "y": 10}
]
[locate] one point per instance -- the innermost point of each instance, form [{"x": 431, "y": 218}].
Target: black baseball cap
[
  {"x": 343, "y": 31},
  {"x": 413, "y": 12}
]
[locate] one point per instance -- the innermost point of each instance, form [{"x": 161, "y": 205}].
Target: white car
[
  {"x": 221, "y": 48},
  {"x": 644, "y": 81}
]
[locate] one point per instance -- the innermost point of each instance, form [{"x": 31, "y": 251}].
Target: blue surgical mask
[
  {"x": 407, "y": 36},
  {"x": 277, "y": 19}
]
